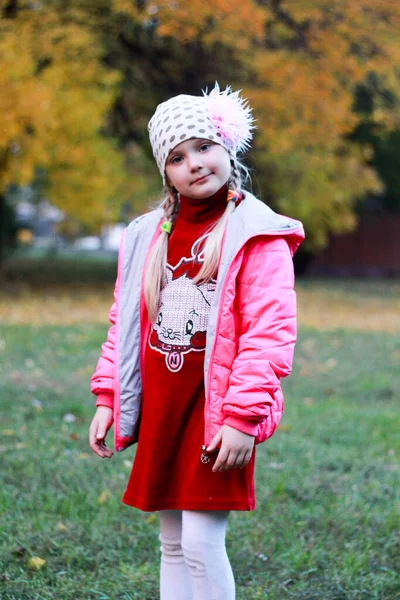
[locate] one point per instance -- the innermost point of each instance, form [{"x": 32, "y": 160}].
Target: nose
[{"x": 195, "y": 162}]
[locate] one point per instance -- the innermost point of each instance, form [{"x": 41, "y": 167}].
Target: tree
[
  {"x": 300, "y": 64},
  {"x": 55, "y": 95},
  {"x": 86, "y": 68}
]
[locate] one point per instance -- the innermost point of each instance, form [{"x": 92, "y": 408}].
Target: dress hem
[{"x": 179, "y": 505}]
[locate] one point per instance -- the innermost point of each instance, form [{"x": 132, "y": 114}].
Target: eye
[
  {"x": 159, "y": 319},
  {"x": 204, "y": 147},
  {"x": 176, "y": 160},
  {"x": 189, "y": 326}
]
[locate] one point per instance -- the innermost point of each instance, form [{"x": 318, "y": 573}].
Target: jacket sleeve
[
  {"x": 266, "y": 305},
  {"x": 102, "y": 381}
]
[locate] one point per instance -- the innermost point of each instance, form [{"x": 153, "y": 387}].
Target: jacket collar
[{"x": 251, "y": 218}]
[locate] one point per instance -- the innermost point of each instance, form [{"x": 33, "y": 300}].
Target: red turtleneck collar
[{"x": 206, "y": 209}]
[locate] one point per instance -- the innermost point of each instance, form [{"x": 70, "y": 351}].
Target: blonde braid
[
  {"x": 235, "y": 180},
  {"x": 154, "y": 279}
]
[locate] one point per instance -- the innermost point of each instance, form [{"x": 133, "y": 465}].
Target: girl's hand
[
  {"x": 236, "y": 448},
  {"x": 102, "y": 421}
]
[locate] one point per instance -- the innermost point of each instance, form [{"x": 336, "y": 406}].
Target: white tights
[{"x": 194, "y": 562}]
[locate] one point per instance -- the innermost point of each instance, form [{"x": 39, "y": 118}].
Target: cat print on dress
[{"x": 183, "y": 311}]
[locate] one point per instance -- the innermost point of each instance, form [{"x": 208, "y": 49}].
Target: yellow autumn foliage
[
  {"x": 304, "y": 60},
  {"x": 55, "y": 94},
  {"x": 300, "y": 63}
]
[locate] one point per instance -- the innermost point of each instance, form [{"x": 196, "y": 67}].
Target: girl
[{"x": 203, "y": 329}]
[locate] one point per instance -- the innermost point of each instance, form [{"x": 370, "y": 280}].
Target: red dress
[{"x": 167, "y": 472}]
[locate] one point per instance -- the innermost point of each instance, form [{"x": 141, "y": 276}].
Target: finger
[
  {"x": 107, "y": 452},
  {"x": 101, "y": 449},
  {"x": 105, "y": 449},
  {"x": 246, "y": 459},
  {"x": 231, "y": 461},
  {"x": 97, "y": 449},
  {"x": 221, "y": 460},
  {"x": 95, "y": 444},
  {"x": 215, "y": 441},
  {"x": 101, "y": 433},
  {"x": 93, "y": 432},
  {"x": 239, "y": 459}
]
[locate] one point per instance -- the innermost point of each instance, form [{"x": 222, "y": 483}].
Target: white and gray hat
[{"x": 222, "y": 117}]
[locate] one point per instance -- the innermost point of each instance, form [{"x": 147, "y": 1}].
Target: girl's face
[{"x": 198, "y": 168}]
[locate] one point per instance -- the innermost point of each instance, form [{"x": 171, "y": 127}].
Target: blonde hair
[{"x": 154, "y": 279}]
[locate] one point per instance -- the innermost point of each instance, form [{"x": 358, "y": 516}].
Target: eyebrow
[
  {"x": 173, "y": 154},
  {"x": 198, "y": 142}
]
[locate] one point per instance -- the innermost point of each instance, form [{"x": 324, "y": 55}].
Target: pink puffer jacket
[{"x": 251, "y": 332}]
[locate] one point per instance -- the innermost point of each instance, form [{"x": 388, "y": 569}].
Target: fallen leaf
[
  {"x": 8, "y": 432},
  {"x": 128, "y": 464},
  {"x": 61, "y": 527},
  {"x": 19, "y": 445},
  {"x": 83, "y": 455},
  {"x": 36, "y": 562},
  {"x": 284, "y": 427},
  {"x": 151, "y": 518},
  {"x": 104, "y": 496}
]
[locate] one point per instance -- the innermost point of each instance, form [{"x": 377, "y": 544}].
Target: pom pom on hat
[{"x": 231, "y": 116}]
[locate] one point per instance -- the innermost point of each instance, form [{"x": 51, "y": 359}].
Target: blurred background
[{"x": 79, "y": 81}]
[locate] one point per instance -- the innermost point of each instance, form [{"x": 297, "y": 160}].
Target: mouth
[{"x": 200, "y": 179}]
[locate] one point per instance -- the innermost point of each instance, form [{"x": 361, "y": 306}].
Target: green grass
[{"x": 327, "y": 520}]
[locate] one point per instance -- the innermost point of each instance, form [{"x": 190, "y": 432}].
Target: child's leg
[
  {"x": 203, "y": 544},
  {"x": 175, "y": 580}
]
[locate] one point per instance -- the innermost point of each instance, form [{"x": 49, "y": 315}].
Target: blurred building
[{"x": 372, "y": 250}]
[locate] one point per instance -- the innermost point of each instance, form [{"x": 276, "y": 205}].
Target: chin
[{"x": 205, "y": 191}]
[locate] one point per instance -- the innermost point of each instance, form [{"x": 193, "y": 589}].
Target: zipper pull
[{"x": 204, "y": 457}]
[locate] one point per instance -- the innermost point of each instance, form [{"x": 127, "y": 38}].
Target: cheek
[
  {"x": 224, "y": 163},
  {"x": 168, "y": 176},
  {"x": 226, "y": 170},
  {"x": 174, "y": 177}
]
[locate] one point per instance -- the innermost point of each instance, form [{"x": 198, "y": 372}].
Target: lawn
[{"x": 327, "y": 519}]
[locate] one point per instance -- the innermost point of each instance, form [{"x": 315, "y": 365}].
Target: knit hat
[{"x": 222, "y": 117}]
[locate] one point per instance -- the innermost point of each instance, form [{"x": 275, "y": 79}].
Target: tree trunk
[
  {"x": 3, "y": 228},
  {"x": 7, "y": 231}
]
